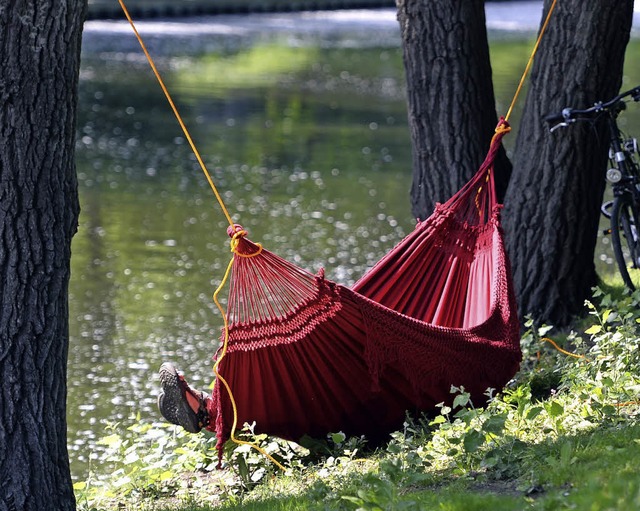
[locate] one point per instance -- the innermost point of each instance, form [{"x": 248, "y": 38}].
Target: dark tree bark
[
  {"x": 450, "y": 97},
  {"x": 39, "y": 64},
  {"x": 551, "y": 210}
]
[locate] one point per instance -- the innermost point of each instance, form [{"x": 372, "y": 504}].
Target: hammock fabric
[{"x": 307, "y": 356}]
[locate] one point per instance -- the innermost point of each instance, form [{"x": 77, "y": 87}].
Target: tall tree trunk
[
  {"x": 450, "y": 97},
  {"x": 39, "y": 64},
  {"x": 551, "y": 210}
]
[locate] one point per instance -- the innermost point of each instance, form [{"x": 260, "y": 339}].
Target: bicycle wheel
[{"x": 624, "y": 237}]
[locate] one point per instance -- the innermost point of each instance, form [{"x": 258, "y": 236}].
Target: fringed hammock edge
[{"x": 307, "y": 356}]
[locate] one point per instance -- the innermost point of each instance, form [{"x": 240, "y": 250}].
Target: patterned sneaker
[{"x": 179, "y": 403}]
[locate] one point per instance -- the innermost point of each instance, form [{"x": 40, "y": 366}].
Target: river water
[{"x": 301, "y": 120}]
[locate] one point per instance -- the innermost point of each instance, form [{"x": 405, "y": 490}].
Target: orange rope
[
  {"x": 224, "y": 382},
  {"x": 177, "y": 114},
  {"x": 575, "y": 355},
  {"x": 627, "y": 403},
  {"x": 568, "y": 353},
  {"x": 234, "y": 243},
  {"x": 530, "y": 62},
  {"x": 501, "y": 128}
]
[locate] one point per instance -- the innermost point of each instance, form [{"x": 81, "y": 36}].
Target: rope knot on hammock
[
  {"x": 240, "y": 245},
  {"x": 503, "y": 126},
  {"x": 236, "y": 230}
]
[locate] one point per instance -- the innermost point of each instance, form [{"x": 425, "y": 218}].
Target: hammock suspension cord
[
  {"x": 177, "y": 114},
  {"x": 225, "y": 343},
  {"x": 582, "y": 357},
  {"x": 236, "y": 232},
  {"x": 530, "y": 61}
]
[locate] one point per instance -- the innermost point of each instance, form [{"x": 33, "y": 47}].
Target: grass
[{"x": 564, "y": 435}]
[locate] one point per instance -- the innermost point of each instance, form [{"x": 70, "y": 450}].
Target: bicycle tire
[{"x": 624, "y": 237}]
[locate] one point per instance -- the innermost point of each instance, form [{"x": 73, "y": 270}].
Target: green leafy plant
[
  {"x": 251, "y": 466},
  {"x": 145, "y": 460}
]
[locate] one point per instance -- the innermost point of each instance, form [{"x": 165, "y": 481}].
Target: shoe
[{"x": 179, "y": 403}]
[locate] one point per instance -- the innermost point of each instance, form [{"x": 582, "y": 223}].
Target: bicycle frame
[
  {"x": 624, "y": 176},
  {"x": 619, "y": 155}
]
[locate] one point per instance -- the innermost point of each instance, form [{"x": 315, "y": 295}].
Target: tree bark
[
  {"x": 552, "y": 207},
  {"x": 39, "y": 64},
  {"x": 450, "y": 97}
]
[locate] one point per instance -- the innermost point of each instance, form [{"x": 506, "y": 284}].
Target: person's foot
[{"x": 179, "y": 403}]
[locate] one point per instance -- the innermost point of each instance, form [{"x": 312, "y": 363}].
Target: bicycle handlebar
[{"x": 569, "y": 115}]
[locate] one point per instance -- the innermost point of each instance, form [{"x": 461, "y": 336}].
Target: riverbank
[
  {"x": 110, "y": 9},
  {"x": 200, "y": 19}
]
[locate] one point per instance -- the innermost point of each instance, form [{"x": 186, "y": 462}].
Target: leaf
[
  {"x": 338, "y": 438},
  {"x": 243, "y": 470},
  {"x": 80, "y": 485},
  {"x": 495, "y": 424},
  {"x": 594, "y": 329},
  {"x": 534, "y": 412},
  {"x": 111, "y": 441},
  {"x": 130, "y": 458},
  {"x": 473, "y": 440},
  {"x": 461, "y": 400},
  {"x": 258, "y": 475},
  {"x": 555, "y": 409},
  {"x": 122, "y": 481},
  {"x": 565, "y": 453},
  {"x": 607, "y": 382},
  {"x": 542, "y": 331},
  {"x": 438, "y": 420},
  {"x": 166, "y": 475}
]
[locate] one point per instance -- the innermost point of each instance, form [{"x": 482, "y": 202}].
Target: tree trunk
[
  {"x": 450, "y": 97},
  {"x": 552, "y": 205},
  {"x": 39, "y": 64}
]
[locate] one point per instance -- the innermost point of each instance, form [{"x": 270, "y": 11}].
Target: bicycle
[{"x": 623, "y": 175}]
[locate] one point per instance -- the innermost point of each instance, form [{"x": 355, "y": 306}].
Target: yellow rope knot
[
  {"x": 237, "y": 232},
  {"x": 502, "y": 127}
]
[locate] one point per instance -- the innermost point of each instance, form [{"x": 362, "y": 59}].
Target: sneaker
[{"x": 179, "y": 403}]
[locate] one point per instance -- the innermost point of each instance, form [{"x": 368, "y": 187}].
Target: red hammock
[{"x": 307, "y": 356}]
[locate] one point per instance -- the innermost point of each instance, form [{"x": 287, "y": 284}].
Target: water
[{"x": 301, "y": 120}]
